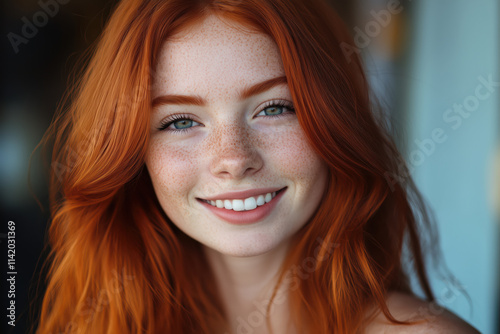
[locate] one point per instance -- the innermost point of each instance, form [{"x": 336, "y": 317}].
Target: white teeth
[
  {"x": 238, "y": 205},
  {"x": 243, "y": 205},
  {"x": 260, "y": 200},
  {"x": 250, "y": 203}
]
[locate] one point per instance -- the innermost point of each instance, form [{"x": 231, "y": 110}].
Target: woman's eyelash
[
  {"x": 172, "y": 119},
  {"x": 278, "y": 103},
  {"x": 165, "y": 124}
]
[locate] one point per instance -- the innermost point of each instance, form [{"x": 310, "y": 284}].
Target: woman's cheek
[
  {"x": 294, "y": 156},
  {"x": 172, "y": 169}
]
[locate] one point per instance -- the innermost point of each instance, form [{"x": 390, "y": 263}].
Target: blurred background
[{"x": 434, "y": 66}]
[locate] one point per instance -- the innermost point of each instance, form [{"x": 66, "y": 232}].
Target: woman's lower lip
[{"x": 245, "y": 217}]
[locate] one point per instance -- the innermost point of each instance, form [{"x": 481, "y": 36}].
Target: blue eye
[
  {"x": 178, "y": 123},
  {"x": 276, "y": 108},
  {"x": 182, "y": 123}
]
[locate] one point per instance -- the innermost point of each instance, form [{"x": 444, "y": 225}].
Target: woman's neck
[{"x": 246, "y": 285}]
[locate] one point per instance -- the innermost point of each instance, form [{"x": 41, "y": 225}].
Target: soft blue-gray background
[
  {"x": 444, "y": 47},
  {"x": 455, "y": 43}
]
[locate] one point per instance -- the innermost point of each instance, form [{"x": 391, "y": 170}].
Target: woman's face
[{"x": 233, "y": 141}]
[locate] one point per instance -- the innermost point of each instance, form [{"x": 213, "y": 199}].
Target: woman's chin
[{"x": 244, "y": 246}]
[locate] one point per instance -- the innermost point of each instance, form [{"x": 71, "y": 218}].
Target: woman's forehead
[{"x": 212, "y": 55}]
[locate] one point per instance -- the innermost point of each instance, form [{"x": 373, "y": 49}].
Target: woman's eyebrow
[{"x": 199, "y": 101}]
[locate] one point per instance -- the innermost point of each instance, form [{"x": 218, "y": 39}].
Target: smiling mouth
[{"x": 246, "y": 204}]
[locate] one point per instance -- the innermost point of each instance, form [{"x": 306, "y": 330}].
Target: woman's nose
[{"x": 235, "y": 154}]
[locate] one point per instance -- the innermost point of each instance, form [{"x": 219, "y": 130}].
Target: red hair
[{"x": 119, "y": 265}]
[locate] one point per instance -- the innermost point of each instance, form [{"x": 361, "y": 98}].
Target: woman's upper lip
[{"x": 243, "y": 194}]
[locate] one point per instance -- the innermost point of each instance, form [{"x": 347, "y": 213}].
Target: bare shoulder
[{"x": 430, "y": 317}]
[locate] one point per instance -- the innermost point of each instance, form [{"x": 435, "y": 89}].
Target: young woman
[{"x": 220, "y": 170}]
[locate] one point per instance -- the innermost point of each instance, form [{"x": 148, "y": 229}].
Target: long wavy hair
[{"x": 118, "y": 264}]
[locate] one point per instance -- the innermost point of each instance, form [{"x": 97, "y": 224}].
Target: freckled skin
[{"x": 231, "y": 148}]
